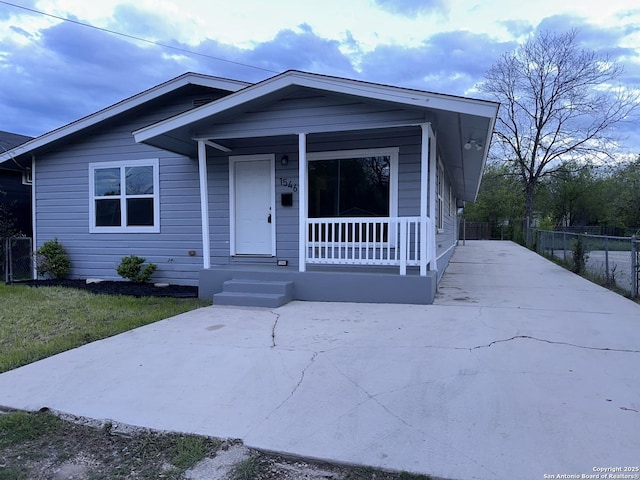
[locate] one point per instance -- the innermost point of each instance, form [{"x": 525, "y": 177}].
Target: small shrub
[
  {"x": 51, "y": 259},
  {"x": 131, "y": 267},
  {"x": 610, "y": 280},
  {"x": 579, "y": 256}
]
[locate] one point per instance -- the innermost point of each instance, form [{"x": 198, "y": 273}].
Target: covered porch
[{"x": 386, "y": 259}]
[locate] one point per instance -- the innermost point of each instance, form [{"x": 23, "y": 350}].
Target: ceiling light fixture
[{"x": 472, "y": 143}]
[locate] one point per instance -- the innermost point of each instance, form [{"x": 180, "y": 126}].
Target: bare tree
[{"x": 559, "y": 103}]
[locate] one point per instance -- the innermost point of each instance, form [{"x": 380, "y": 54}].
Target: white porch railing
[{"x": 365, "y": 241}]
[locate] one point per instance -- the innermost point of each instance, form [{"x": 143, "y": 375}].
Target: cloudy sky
[{"x": 54, "y": 71}]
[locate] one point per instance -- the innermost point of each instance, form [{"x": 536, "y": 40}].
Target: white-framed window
[
  {"x": 124, "y": 197},
  {"x": 353, "y": 183},
  {"x": 440, "y": 196}
]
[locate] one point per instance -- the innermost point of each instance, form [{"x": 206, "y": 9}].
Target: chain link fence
[
  {"x": 613, "y": 261},
  {"x": 16, "y": 258}
]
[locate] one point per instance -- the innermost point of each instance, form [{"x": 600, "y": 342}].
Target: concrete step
[
  {"x": 258, "y": 286},
  {"x": 240, "y": 299},
  {"x": 254, "y": 293}
]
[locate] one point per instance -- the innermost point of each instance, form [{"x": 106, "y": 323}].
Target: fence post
[
  {"x": 606, "y": 259},
  {"x": 564, "y": 245},
  {"x": 634, "y": 267}
]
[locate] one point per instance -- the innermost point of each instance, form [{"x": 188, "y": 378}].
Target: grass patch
[
  {"x": 36, "y": 323},
  {"x": 246, "y": 470},
  {"x": 188, "y": 450},
  {"x": 13, "y": 473},
  {"x": 20, "y": 427}
]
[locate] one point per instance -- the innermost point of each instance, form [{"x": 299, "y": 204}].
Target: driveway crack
[
  {"x": 297, "y": 385},
  {"x": 273, "y": 329},
  {"x": 552, "y": 342}
]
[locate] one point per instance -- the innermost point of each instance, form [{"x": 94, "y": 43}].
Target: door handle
[{"x": 269, "y": 218}]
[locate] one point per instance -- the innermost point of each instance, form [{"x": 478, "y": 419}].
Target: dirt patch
[
  {"x": 44, "y": 446},
  {"x": 109, "y": 287}
]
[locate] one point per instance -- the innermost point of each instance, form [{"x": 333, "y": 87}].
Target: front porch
[
  {"x": 330, "y": 283},
  {"x": 371, "y": 260}
]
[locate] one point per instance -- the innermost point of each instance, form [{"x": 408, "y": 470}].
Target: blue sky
[{"x": 53, "y": 72}]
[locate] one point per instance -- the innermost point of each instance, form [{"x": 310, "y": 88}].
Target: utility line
[{"x": 133, "y": 37}]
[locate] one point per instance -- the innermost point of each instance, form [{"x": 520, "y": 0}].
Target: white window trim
[
  {"x": 392, "y": 153},
  {"x": 153, "y": 162}
]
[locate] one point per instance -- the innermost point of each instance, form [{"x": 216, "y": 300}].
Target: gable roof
[
  {"x": 374, "y": 91},
  {"x": 123, "y": 106},
  {"x": 458, "y": 120}
]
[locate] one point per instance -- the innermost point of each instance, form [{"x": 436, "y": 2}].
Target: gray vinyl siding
[
  {"x": 313, "y": 114},
  {"x": 446, "y": 240},
  {"x": 62, "y": 199}
]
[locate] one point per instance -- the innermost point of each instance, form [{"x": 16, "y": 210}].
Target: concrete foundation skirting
[{"x": 330, "y": 286}]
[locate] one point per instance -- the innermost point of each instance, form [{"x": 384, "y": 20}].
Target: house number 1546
[{"x": 285, "y": 182}]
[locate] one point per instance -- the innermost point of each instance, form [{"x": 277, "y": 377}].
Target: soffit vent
[{"x": 198, "y": 102}]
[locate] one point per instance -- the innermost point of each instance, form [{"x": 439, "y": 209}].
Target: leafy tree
[
  {"x": 572, "y": 195},
  {"x": 500, "y": 197},
  {"x": 559, "y": 103},
  {"x": 625, "y": 195}
]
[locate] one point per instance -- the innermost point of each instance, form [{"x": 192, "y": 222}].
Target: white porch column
[
  {"x": 204, "y": 203},
  {"x": 424, "y": 179},
  {"x": 433, "y": 165},
  {"x": 302, "y": 202}
]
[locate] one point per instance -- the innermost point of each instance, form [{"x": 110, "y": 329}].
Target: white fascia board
[
  {"x": 123, "y": 106},
  {"x": 416, "y": 98}
]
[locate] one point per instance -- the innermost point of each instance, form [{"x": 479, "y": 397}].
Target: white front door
[{"x": 252, "y": 205}]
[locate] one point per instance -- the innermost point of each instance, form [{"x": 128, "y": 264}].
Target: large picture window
[
  {"x": 356, "y": 183},
  {"x": 124, "y": 197}
]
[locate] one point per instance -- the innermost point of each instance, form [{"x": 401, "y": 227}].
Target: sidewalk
[{"x": 518, "y": 370}]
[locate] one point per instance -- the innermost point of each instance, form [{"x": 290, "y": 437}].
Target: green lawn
[{"x": 36, "y": 323}]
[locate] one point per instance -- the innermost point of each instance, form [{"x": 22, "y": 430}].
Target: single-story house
[
  {"x": 301, "y": 186},
  {"x": 15, "y": 187}
]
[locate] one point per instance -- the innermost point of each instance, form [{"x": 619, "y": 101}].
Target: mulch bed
[{"x": 108, "y": 287}]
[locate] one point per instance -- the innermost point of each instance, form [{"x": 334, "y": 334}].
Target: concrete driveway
[{"x": 520, "y": 370}]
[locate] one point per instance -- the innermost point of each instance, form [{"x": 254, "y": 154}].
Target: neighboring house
[
  {"x": 301, "y": 186},
  {"x": 15, "y": 184}
]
